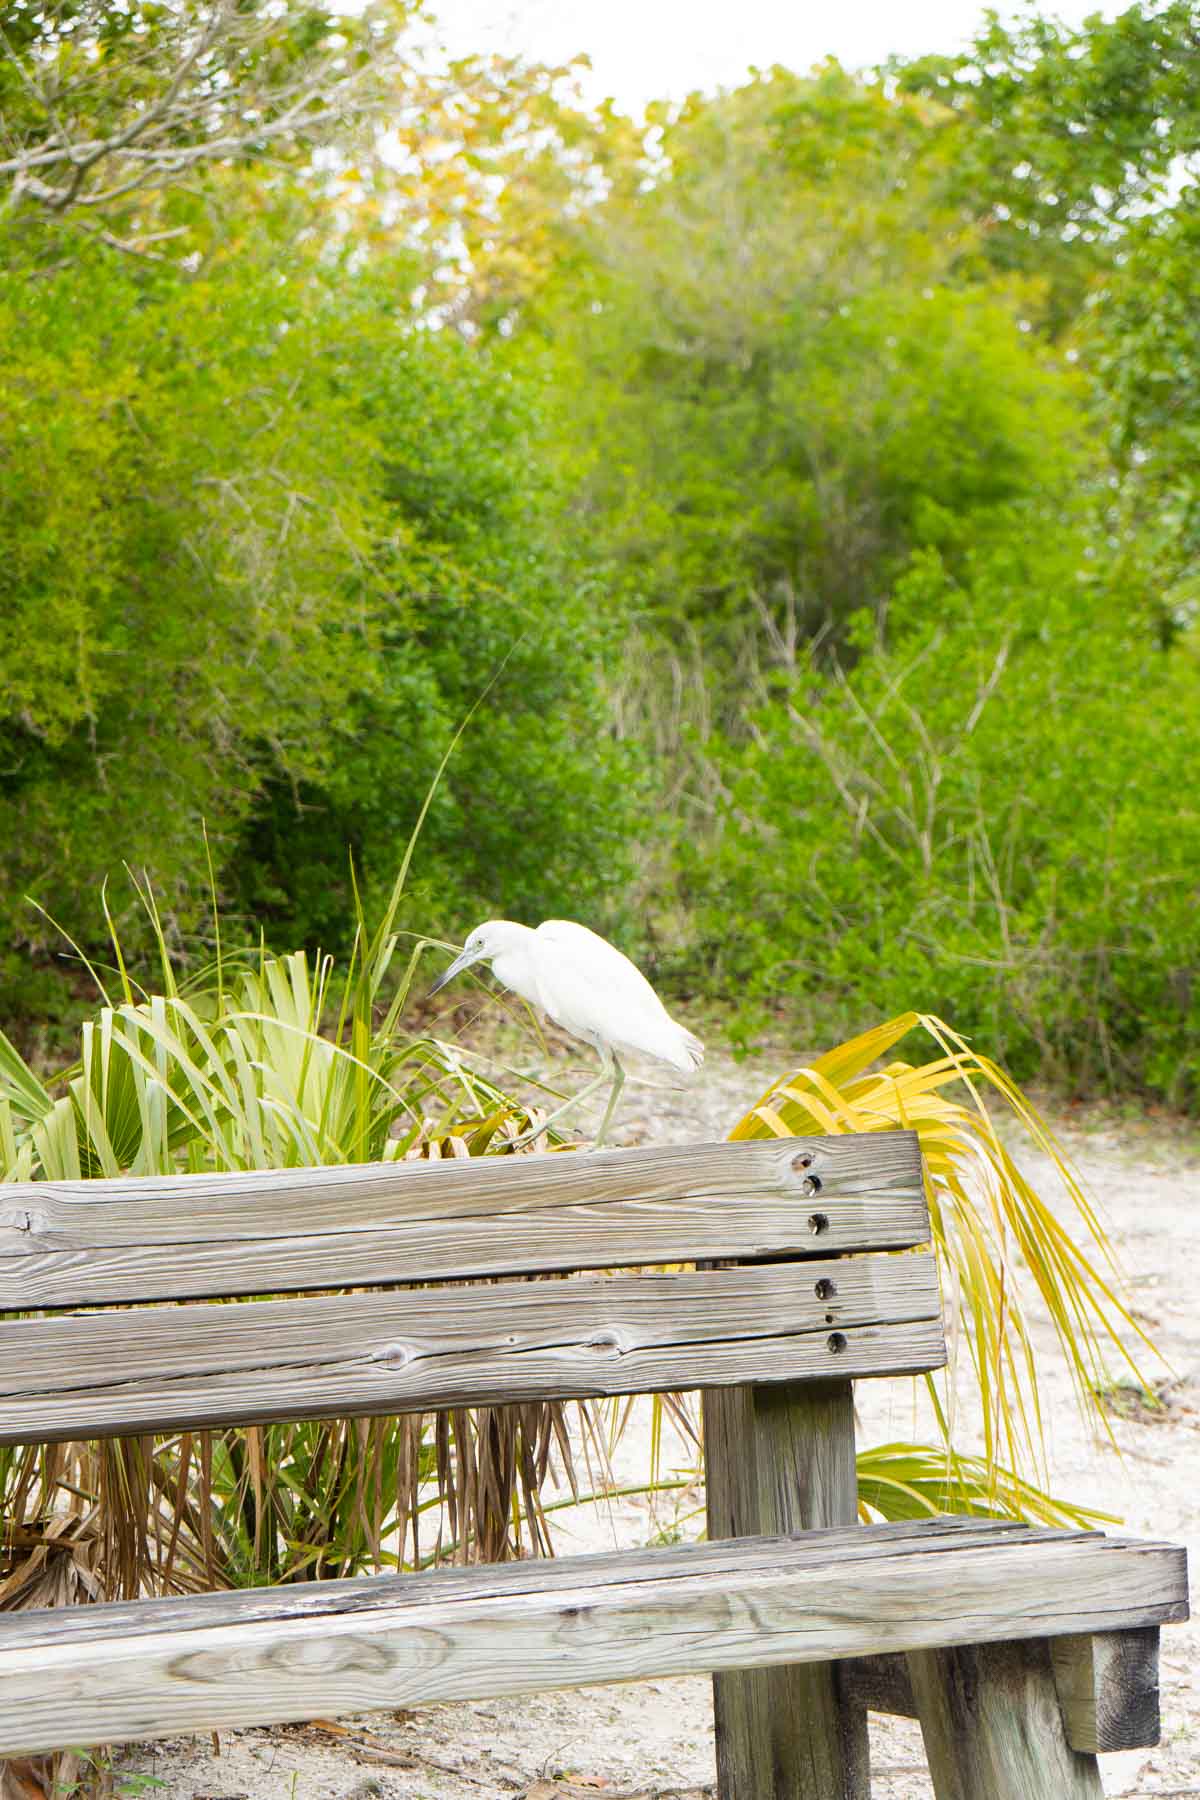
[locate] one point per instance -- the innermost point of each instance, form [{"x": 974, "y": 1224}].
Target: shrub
[
  {"x": 263, "y": 541},
  {"x": 997, "y": 812}
]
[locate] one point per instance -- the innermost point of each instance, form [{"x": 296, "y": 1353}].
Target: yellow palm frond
[{"x": 1001, "y": 1245}]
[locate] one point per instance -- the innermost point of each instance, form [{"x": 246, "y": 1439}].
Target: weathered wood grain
[
  {"x": 1108, "y": 1689},
  {"x": 370, "y": 1593},
  {"x": 991, "y": 1724},
  {"x": 782, "y": 1459},
  {"x": 742, "y": 1717},
  {"x": 166, "y": 1367},
  {"x": 85, "y": 1243},
  {"x": 881, "y": 1684},
  {"x": 806, "y": 1448},
  {"x": 782, "y": 1602}
]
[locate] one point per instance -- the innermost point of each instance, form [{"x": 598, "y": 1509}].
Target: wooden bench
[{"x": 1023, "y": 1651}]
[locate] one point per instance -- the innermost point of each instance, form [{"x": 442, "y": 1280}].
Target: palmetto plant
[
  {"x": 998, "y": 1243},
  {"x": 262, "y": 1062}
]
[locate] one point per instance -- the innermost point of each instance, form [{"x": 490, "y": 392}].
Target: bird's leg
[
  {"x": 585, "y": 1093},
  {"x": 618, "y": 1084}
]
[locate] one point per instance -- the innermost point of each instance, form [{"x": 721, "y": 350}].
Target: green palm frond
[{"x": 916, "y": 1481}]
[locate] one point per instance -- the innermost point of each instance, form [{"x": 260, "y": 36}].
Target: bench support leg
[
  {"x": 992, "y": 1725},
  {"x": 782, "y": 1459},
  {"x": 1108, "y": 1688},
  {"x": 1107, "y": 1685}
]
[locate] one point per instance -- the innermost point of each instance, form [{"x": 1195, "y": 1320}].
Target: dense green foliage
[
  {"x": 822, "y": 456},
  {"x": 262, "y": 544},
  {"x": 895, "y": 466},
  {"x": 995, "y": 809},
  {"x": 785, "y": 389}
]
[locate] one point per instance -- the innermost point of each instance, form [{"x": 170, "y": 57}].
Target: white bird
[{"x": 588, "y": 987}]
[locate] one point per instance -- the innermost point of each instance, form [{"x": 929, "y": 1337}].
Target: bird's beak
[{"x": 462, "y": 961}]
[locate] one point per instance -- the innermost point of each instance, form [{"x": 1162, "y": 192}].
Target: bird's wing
[
  {"x": 596, "y": 993},
  {"x": 583, "y": 955}
]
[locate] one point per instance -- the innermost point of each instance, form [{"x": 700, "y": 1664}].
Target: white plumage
[{"x": 587, "y": 986}]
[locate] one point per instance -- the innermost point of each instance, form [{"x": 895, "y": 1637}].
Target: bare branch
[{"x": 97, "y": 120}]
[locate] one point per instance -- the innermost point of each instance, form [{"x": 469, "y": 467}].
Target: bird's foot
[
  {"x": 524, "y": 1138},
  {"x": 539, "y": 1126}
]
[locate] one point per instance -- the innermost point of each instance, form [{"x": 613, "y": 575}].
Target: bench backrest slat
[
  {"x": 95, "y": 1242},
  {"x": 807, "y": 1222},
  {"x": 184, "y": 1367}
]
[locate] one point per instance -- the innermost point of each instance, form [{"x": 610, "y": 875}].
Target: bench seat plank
[
  {"x": 367, "y": 1593},
  {"x": 511, "y": 1629},
  {"x": 172, "y": 1367},
  {"x": 87, "y": 1243}
]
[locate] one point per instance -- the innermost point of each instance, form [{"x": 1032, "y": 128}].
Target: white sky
[{"x": 662, "y": 49}]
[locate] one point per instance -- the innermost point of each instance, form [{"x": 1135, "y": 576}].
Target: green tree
[
  {"x": 264, "y": 542},
  {"x": 777, "y": 388},
  {"x": 1058, "y": 139},
  {"x": 1079, "y": 151},
  {"x": 108, "y": 111},
  {"x": 535, "y": 812},
  {"x": 1145, "y": 342},
  {"x": 189, "y": 574},
  {"x": 841, "y": 421}
]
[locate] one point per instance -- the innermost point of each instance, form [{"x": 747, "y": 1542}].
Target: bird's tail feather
[{"x": 690, "y": 1052}]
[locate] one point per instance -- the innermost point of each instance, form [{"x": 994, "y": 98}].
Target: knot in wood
[
  {"x": 394, "y": 1356},
  {"x": 21, "y": 1219},
  {"x": 331, "y": 1656},
  {"x": 605, "y": 1340},
  {"x": 573, "y": 1616}
]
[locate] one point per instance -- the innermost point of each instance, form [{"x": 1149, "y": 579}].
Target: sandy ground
[{"x": 655, "y": 1738}]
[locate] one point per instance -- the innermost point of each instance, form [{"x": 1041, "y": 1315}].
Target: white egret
[{"x": 588, "y": 987}]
